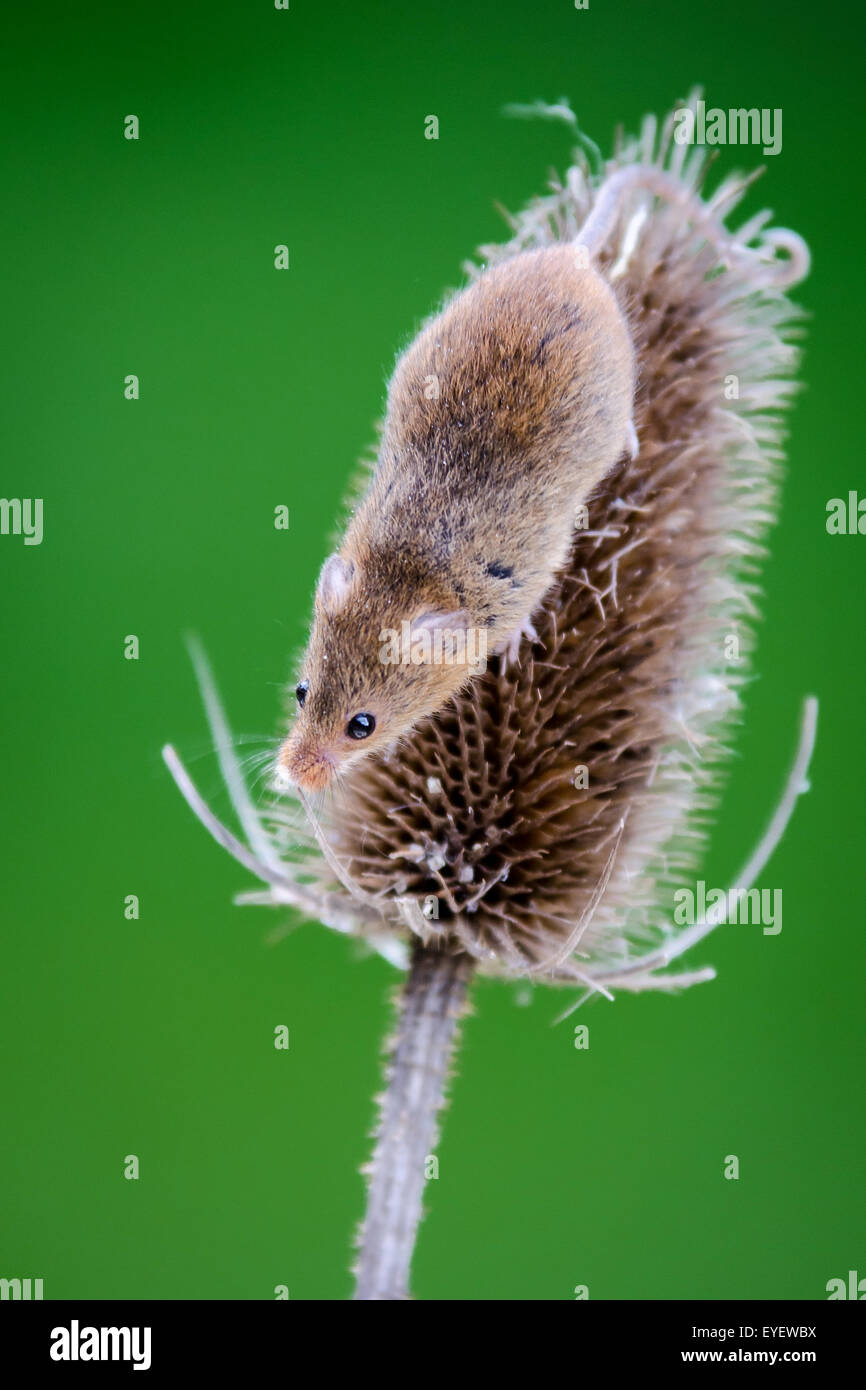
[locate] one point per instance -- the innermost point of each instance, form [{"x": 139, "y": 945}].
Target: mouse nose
[{"x": 304, "y": 766}]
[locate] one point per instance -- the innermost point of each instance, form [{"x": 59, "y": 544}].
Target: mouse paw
[
  {"x": 631, "y": 440},
  {"x": 511, "y": 646}
]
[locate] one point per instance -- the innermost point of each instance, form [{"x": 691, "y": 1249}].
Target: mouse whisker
[{"x": 257, "y": 763}]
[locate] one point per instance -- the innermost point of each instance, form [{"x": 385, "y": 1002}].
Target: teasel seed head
[{"x": 540, "y": 823}]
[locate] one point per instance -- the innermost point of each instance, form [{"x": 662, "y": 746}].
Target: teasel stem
[{"x": 430, "y": 1005}]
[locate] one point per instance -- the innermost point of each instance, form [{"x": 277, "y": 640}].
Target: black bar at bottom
[{"x": 159, "y": 1339}]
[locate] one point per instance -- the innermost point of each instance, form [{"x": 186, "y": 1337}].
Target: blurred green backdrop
[{"x": 155, "y": 1037}]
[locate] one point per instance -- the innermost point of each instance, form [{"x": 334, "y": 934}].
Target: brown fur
[{"x": 504, "y": 414}]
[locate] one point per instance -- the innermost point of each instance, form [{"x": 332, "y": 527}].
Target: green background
[{"x": 155, "y": 1037}]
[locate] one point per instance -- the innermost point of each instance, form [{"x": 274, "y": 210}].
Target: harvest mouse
[{"x": 503, "y": 414}]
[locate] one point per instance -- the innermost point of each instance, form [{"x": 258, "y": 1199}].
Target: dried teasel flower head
[{"x": 541, "y": 819}]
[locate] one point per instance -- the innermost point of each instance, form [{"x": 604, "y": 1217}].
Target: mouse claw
[{"x": 511, "y": 646}]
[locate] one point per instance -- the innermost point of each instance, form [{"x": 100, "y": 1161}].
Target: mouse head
[{"x": 374, "y": 667}]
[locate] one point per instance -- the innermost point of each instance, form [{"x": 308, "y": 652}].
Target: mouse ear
[{"x": 335, "y": 583}]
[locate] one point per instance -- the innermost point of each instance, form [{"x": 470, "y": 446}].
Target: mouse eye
[
  {"x": 301, "y": 692},
  {"x": 361, "y": 726}
]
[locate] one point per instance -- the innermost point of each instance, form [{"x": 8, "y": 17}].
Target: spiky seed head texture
[{"x": 541, "y": 821}]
